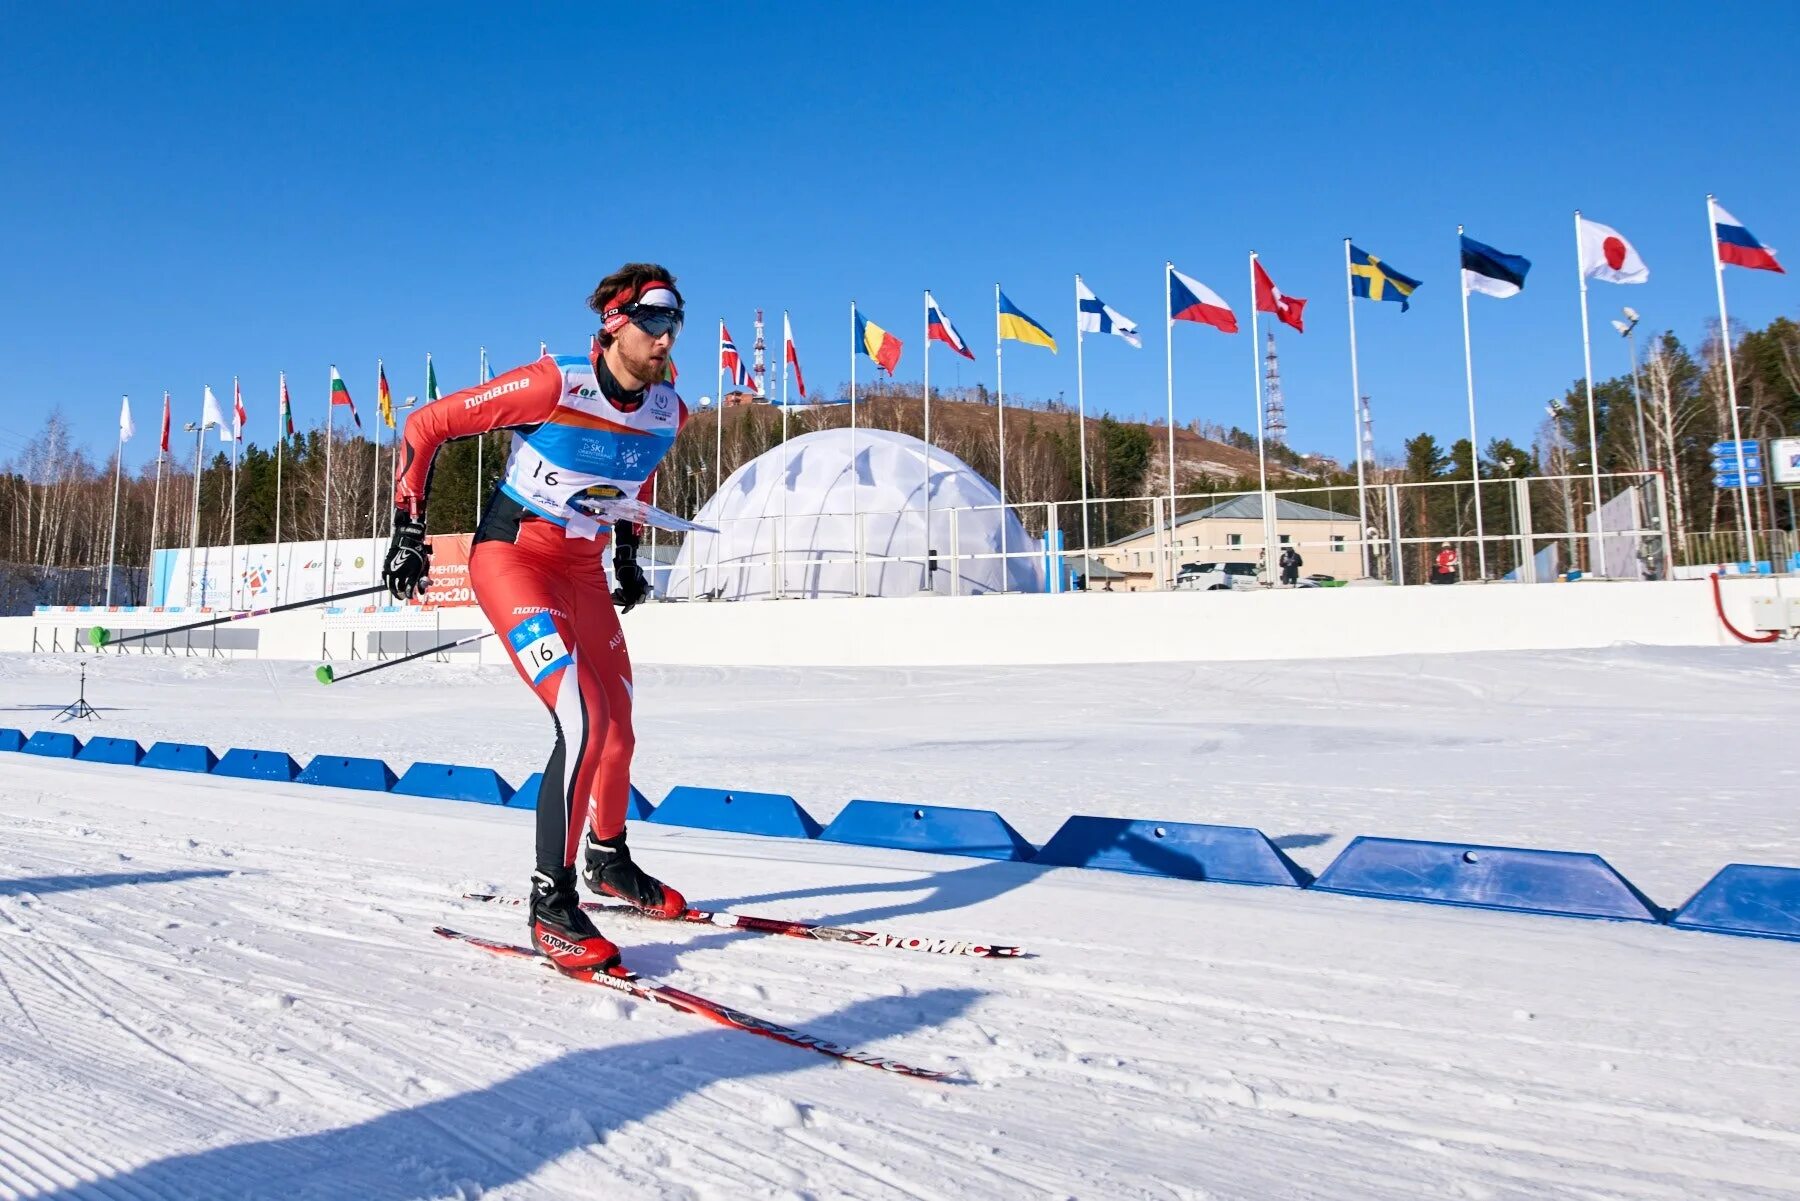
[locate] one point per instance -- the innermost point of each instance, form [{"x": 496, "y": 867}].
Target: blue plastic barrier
[
  {"x": 179, "y": 756},
  {"x": 1180, "y": 850},
  {"x": 454, "y": 782},
  {"x": 637, "y": 809},
  {"x": 257, "y": 765},
  {"x": 337, "y": 771},
  {"x": 111, "y": 750},
  {"x": 1562, "y": 883},
  {"x": 1746, "y": 898},
  {"x": 935, "y": 828},
  {"x": 768, "y": 813},
  {"x": 52, "y": 745},
  {"x": 11, "y": 739}
]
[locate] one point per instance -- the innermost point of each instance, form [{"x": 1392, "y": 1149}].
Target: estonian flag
[
  {"x": 1491, "y": 272},
  {"x": 1373, "y": 279}
]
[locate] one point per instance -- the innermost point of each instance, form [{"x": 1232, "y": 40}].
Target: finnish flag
[{"x": 1098, "y": 317}]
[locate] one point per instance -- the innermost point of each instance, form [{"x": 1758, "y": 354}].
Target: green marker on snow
[
  {"x": 324, "y": 674},
  {"x": 98, "y": 635}
]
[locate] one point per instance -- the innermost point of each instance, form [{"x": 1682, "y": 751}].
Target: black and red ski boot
[
  {"x": 559, "y": 927},
  {"x": 607, "y": 869}
]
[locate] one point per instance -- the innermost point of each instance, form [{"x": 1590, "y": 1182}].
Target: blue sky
[{"x": 196, "y": 191}]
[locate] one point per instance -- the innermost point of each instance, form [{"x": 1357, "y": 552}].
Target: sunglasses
[{"x": 655, "y": 319}]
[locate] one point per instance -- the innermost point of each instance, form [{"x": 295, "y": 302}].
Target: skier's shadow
[{"x": 471, "y": 1143}]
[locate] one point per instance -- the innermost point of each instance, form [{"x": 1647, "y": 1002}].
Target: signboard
[
  {"x": 1727, "y": 448},
  {"x": 1731, "y": 479},
  {"x": 1784, "y": 461},
  {"x": 213, "y": 579}
]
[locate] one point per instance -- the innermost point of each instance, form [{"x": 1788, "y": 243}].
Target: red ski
[
  {"x": 644, "y": 988},
  {"x": 774, "y": 925}
]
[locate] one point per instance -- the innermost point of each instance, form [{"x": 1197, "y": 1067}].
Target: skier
[
  {"x": 1291, "y": 563},
  {"x": 588, "y": 432},
  {"x": 1444, "y": 567}
]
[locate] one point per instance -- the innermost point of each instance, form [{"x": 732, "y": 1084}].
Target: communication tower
[
  {"x": 756, "y": 357},
  {"x": 1275, "y": 415}
]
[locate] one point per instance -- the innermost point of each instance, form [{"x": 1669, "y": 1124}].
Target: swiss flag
[{"x": 1270, "y": 299}]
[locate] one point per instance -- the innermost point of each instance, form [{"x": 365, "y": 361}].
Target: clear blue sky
[{"x": 193, "y": 191}]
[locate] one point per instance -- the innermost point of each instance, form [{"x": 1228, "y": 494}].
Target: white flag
[
  {"x": 1098, "y": 317},
  {"x": 211, "y": 414},
  {"x": 1605, "y": 254},
  {"x": 126, "y": 428}
]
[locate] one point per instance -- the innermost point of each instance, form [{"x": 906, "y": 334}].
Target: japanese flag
[{"x": 1605, "y": 254}]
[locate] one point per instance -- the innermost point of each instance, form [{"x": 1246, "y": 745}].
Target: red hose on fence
[{"x": 1719, "y": 608}]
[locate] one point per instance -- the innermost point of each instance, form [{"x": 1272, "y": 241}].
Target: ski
[
  {"x": 876, "y": 939},
  {"x": 645, "y": 988}
]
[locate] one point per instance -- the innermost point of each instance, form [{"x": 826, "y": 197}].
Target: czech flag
[
  {"x": 877, "y": 343},
  {"x": 1016, "y": 325},
  {"x": 1191, "y": 300},
  {"x": 939, "y": 329},
  {"x": 1738, "y": 246}
]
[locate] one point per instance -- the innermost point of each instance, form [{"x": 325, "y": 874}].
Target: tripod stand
[{"x": 80, "y": 707}]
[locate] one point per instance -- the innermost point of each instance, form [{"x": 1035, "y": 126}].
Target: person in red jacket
[
  {"x": 1444, "y": 567},
  {"x": 588, "y": 432}
]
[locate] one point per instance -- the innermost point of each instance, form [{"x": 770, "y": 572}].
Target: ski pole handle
[
  {"x": 325, "y": 675},
  {"x": 101, "y": 636}
]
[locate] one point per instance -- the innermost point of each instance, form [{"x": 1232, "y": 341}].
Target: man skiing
[{"x": 588, "y": 432}]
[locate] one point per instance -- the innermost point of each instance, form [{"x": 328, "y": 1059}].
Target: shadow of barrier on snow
[
  {"x": 38, "y": 885},
  {"x": 1755, "y": 900},
  {"x": 488, "y": 1138}
]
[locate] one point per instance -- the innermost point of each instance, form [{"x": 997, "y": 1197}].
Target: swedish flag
[{"x": 1373, "y": 279}]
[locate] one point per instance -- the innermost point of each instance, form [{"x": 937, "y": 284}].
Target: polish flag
[
  {"x": 165, "y": 427},
  {"x": 792, "y": 355},
  {"x": 1270, "y": 299},
  {"x": 1606, "y": 255},
  {"x": 1191, "y": 300},
  {"x": 1738, "y": 246},
  {"x": 238, "y": 416}
]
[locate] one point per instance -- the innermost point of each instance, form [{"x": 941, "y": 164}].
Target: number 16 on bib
[{"x": 539, "y": 647}]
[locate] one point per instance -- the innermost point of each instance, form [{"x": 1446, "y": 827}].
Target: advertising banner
[{"x": 256, "y": 579}]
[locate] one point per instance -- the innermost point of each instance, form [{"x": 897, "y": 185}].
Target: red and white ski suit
[{"x": 538, "y": 563}]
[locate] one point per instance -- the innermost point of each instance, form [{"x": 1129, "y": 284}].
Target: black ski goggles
[{"x": 655, "y": 319}]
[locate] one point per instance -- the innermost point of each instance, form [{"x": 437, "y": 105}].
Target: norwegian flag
[
  {"x": 238, "y": 416},
  {"x": 732, "y": 363}
]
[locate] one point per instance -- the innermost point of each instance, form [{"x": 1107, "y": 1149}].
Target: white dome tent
[{"x": 811, "y": 516}]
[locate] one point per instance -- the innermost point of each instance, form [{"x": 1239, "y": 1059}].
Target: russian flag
[
  {"x": 1738, "y": 246},
  {"x": 939, "y": 329},
  {"x": 1191, "y": 300}
]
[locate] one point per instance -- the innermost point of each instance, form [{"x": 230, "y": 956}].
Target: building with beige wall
[{"x": 1232, "y": 531}]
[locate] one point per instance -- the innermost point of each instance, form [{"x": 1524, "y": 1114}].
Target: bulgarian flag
[{"x": 340, "y": 395}]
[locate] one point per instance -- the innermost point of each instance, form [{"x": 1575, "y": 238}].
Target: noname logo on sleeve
[{"x": 539, "y": 647}]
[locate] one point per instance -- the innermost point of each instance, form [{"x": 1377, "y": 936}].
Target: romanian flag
[
  {"x": 1373, "y": 279},
  {"x": 340, "y": 395},
  {"x": 877, "y": 343},
  {"x": 1016, "y": 325},
  {"x": 384, "y": 398}
]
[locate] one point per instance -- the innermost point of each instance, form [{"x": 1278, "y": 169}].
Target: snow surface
[{"x": 218, "y": 989}]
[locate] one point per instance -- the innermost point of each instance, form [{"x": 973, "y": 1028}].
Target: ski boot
[
  {"x": 607, "y": 869},
  {"x": 559, "y": 928}
]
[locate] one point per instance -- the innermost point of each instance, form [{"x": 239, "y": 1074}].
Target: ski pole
[
  {"x": 101, "y": 636},
  {"x": 325, "y": 674}
]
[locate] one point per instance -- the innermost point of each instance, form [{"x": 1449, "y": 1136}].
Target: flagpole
[
  {"x": 719, "y": 419},
  {"x": 1081, "y": 439},
  {"x": 156, "y": 502},
  {"x": 1000, "y": 396},
  {"x": 1474, "y": 445},
  {"x": 1262, "y": 465},
  {"x": 925, "y": 353},
  {"x": 375, "y": 466},
  {"x": 787, "y": 341},
  {"x": 1169, "y": 379},
  {"x": 112, "y": 542},
  {"x": 855, "y": 512},
  {"x": 325, "y": 563},
  {"x": 231, "y": 591},
  {"x": 1597, "y": 554},
  {"x": 480, "y": 441},
  {"x": 1737, "y": 434},
  {"x": 1362, "y": 496},
  {"x": 194, "y": 541}
]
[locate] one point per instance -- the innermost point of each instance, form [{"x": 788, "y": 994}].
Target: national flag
[
  {"x": 238, "y": 416},
  {"x": 1098, "y": 317},
  {"x": 1372, "y": 279},
  {"x": 1491, "y": 272},
  {"x": 340, "y": 395},
  {"x": 1191, "y": 300},
  {"x": 126, "y": 428},
  {"x": 1738, "y": 246},
  {"x": 1606, "y": 255},
  {"x": 733, "y": 365},
  {"x": 1270, "y": 299},
  {"x": 487, "y": 372},
  {"x": 1014, "y": 324},
  {"x": 165, "y": 428},
  {"x": 384, "y": 396},
  {"x": 877, "y": 343},
  {"x": 939, "y": 329},
  {"x": 287, "y": 409},
  {"x": 431, "y": 384},
  {"x": 210, "y": 413},
  {"x": 791, "y": 355}
]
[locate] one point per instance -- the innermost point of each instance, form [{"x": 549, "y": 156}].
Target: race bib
[{"x": 539, "y": 647}]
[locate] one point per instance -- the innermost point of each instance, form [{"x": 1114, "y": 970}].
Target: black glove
[
  {"x": 408, "y": 557},
  {"x": 632, "y": 586}
]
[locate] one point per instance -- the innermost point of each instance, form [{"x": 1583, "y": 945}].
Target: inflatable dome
[{"x": 807, "y": 510}]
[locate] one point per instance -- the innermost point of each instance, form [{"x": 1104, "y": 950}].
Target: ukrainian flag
[
  {"x": 1020, "y": 328},
  {"x": 1373, "y": 279}
]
